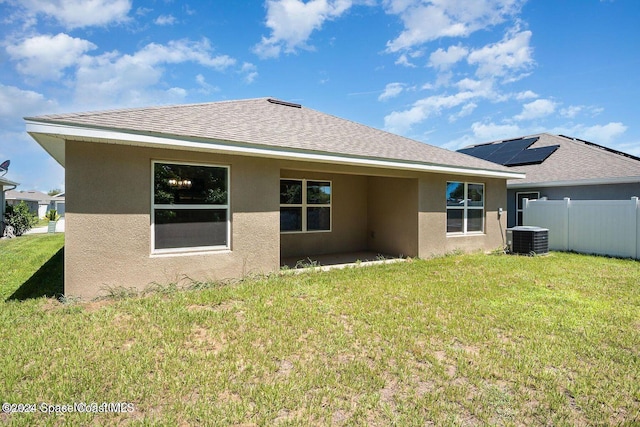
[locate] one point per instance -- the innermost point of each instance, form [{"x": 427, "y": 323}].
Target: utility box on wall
[{"x": 528, "y": 240}]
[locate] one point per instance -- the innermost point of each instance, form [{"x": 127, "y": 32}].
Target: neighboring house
[
  {"x": 558, "y": 166},
  {"x": 5, "y": 185},
  {"x": 37, "y": 201},
  {"x": 57, "y": 202},
  {"x": 225, "y": 189}
]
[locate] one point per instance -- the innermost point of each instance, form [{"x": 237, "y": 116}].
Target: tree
[
  {"x": 54, "y": 191},
  {"x": 20, "y": 218}
]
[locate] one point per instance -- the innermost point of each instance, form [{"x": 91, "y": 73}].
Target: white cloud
[
  {"x": 512, "y": 54},
  {"x": 404, "y": 60},
  {"x": 16, "y": 103},
  {"x": 130, "y": 79},
  {"x": 292, "y": 21},
  {"x": 250, "y": 72},
  {"x": 165, "y": 20},
  {"x": 444, "y": 59},
  {"x": 45, "y": 57},
  {"x": 205, "y": 88},
  {"x": 80, "y": 13},
  {"x": 601, "y": 134},
  {"x": 401, "y": 121},
  {"x": 466, "y": 110},
  {"x": 573, "y": 111},
  {"x": 487, "y": 132},
  {"x": 391, "y": 91},
  {"x": 536, "y": 109},
  {"x": 425, "y": 21},
  {"x": 527, "y": 94}
]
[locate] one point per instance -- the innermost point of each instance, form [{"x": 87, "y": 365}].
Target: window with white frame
[
  {"x": 190, "y": 207},
  {"x": 305, "y": 205},
  {"x": 465, "y": 207},
  {"x": 531, "y": 195}
]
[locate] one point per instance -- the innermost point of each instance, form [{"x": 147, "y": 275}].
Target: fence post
[
  {"x": 637, "y": 231},
  {"x": 566, "y": 238}
]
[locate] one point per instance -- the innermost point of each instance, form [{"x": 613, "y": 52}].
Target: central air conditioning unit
[{"x": 528, "y": 240}]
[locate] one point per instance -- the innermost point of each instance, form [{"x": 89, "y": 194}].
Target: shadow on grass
[{"x": 48, "y": 281}]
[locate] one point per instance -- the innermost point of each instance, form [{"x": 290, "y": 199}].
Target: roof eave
[
  {"x": 52, "y": 136},
  {"x": 7, "y": 183},
  {"x": 576, "y": 182}
]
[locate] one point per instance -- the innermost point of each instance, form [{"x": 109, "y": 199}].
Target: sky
[{"x": 448, "y": 73}]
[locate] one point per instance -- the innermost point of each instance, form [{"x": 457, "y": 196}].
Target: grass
[
  {"x": 458, "y": 340},
  {"x": 31, "y": 266}
]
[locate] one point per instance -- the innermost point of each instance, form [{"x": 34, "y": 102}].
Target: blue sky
[{"x": 445, "y": 72}]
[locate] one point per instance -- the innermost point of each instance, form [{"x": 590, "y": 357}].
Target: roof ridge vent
[{"x": 286, "y": 104}]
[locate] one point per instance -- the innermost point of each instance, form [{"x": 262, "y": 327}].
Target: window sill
[
  {"x": 305, "y": 232},
  {"x": 179, "y": 253},
  {"x": 473, "y": 233}
]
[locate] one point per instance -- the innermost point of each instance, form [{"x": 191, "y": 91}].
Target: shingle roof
[
  {"x": 262, "y": 122},
  {"x": 32, "y": 195},
  {"x": 575, "y": 160}
]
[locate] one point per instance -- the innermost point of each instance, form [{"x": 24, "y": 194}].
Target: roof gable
[{"x": 268, "y": 123}]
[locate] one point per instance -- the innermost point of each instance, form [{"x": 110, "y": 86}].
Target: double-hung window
[
  {"x": 190, "y": 207},
  {"x": 305, "y": 205},
  {"x": 465, "y": 207}
]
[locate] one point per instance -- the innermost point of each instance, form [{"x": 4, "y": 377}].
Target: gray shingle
[
  {"x": 575, "y": 160},
  {"x": 258, "y": 122}
]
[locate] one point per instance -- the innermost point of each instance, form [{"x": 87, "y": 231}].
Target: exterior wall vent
[{"x": 528, "y": 240}]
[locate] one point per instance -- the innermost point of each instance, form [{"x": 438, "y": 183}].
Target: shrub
[
  {"x": 52, "y": 215},
  {"x": 20, "y": 218}
]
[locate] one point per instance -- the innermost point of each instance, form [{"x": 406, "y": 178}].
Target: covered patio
[{"x": 363, "y": 218}]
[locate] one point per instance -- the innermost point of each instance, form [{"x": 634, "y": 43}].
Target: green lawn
[{"x": 460, "y": 340}]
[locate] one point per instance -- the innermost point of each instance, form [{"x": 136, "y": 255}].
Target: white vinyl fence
[{"x": 604, "y": 227}]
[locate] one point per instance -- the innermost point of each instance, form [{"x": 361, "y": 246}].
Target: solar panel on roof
[
  {"x": 532, "y": 156},
  {"x": 480, "y": 151},
  {"x": 508, "y": 150},
  {"x": 514, "y": 152}
]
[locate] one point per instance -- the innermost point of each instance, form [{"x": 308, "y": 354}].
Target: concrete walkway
[{"x": 45, "y": 229}]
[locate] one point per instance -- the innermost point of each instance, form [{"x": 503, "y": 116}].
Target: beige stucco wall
[
  {"x": 433, "y": 219},
  {"x": 108, "y": 223},
  {"x": 108, "y": 231},
  {"x": 393, "y": 216},
  {"x": 348, "y": 218}
]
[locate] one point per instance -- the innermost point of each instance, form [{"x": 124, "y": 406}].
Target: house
[
  {"x": 225, "y": 189},
  {"x": 37, "y": 201},
  {"x": 57, "y": 203},
  {"x": 558, "y": 166},
  {"x": 5, "y": 185}
]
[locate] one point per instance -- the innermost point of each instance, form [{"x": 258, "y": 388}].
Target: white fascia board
[
  {"x": 6, "y": 185},
  {"x": 146, "y": 140},
  {"x": 577, "y": 182}
]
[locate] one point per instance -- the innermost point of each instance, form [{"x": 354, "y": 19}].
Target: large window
[
  {"x": 465, "y": 207},
  {"x": 190, "y": 207},
  {"x": 533, "y": 195},
  {"x": 305, "y": 205}
]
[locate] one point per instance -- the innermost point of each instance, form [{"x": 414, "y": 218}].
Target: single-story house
[
  {"x": 558, "y": 166},
  {"x": 37, "y": 201},
  {"x": 57, "y": 203},
  {"x": 5, "y": 185},
  {"x": 225, "y": 189}
]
